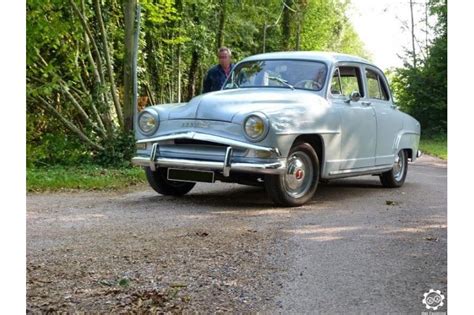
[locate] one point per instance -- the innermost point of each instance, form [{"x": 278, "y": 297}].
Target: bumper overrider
[{"x": 154, "y": 160}]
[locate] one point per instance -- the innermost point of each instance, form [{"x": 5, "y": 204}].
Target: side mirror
[
  {"x": 354, "y": 97},
  {"x": 230, "y": 85}
]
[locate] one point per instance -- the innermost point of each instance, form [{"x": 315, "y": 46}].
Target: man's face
[{"x": 224, "y": 59}]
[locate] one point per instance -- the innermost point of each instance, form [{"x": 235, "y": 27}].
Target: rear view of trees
[{"x": 76, "y": 52}]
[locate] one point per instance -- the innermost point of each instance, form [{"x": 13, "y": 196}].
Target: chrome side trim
[
  {"x": 211, "y": 138},
  {"x": 278, "y": 167},
  {"x": 319, "y": 132},
  {"x": 361, "y": 170}
]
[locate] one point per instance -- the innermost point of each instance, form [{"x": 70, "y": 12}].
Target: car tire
[
  {"x": 396, "y": 176},
  {"x": 300, "y": 181},
  {"x": 158, "y": 181}
]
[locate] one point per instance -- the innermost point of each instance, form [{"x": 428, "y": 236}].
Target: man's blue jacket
[{"x": 215, "y": 78}]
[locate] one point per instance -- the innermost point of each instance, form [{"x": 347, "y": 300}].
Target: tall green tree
[{"x": 422, "y": 90}]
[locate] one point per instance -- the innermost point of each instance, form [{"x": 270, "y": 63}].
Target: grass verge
[
  {"x": 91, "y": 177},
  {"x": 83, "y": 177},
  {"x": 436, "y": 146}
]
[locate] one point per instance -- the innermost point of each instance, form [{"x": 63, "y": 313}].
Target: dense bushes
[{"x": 75, "y": 61}]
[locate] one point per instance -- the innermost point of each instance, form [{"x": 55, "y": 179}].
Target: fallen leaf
[{"x": 124, "y": 282}]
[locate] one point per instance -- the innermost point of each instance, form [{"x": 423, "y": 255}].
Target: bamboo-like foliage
[{"x": 77, "y": 54}]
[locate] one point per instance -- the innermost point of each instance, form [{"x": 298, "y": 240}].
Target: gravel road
[{"x": 357, "y": 247}]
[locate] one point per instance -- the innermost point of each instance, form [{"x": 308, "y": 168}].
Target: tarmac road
[{"x": 357, "y": 247}]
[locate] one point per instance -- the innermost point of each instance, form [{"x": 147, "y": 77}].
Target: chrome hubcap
[
  {"x": 299, "y": 174},
  {"x": 399, "y": 166}
]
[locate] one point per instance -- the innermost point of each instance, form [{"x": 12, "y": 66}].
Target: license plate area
[{"x": 193, "y": 176}]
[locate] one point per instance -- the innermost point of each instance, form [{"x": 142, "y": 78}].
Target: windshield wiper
[{"x": 282, "y": 81}]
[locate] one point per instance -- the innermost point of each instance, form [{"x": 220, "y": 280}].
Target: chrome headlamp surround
[
  {"x": 255, "y": 118},
  {"x": 148, "y": 122}
]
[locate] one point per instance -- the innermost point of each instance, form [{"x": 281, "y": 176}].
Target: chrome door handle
[{"x": 366, "y": 103}]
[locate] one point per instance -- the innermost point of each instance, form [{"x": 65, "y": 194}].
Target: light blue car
[{"x": 285, "y": 121}]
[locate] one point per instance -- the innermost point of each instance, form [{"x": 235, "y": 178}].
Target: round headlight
[
  {"x": 148, "y": 122},
  {"x": 256, "y": 127}
]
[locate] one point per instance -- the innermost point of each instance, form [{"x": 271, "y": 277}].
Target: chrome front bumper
[{"x": 154, "y": 160}]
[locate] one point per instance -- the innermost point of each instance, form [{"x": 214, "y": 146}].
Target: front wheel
[
  {"x": 298, "y": 185},
  {"x": 158, "y": 181},
  {"x": 396, "y": 176}
]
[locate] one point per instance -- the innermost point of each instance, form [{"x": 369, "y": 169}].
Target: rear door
[
  {"x": 358, "y": 123},
  {"x": 389, "y": 121}
]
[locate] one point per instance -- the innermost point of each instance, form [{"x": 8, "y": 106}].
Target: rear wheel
[
  {"x": 396, "y": 176},
  {"x": 300, "y": 181},
  {"x": 158, "y": 181}
]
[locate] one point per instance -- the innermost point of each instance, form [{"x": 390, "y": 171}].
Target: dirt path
[{"x": 356, "y": 247}]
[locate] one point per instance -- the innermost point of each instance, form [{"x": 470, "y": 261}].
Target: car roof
[{"x": 328, "y": 57}]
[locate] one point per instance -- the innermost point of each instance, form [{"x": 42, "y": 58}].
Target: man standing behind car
[{"x": 217, "y": 75}]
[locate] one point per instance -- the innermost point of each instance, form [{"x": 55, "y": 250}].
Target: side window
[
  {"x": 376, "y": 86},
  {"x": 347, "y": 80}
]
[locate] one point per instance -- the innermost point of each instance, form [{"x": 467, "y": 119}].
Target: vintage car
[{"x": 285, "y": 121}]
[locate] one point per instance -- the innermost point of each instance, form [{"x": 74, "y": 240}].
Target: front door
[{"x": 358, "y": 122}]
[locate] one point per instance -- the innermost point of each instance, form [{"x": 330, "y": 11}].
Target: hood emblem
[{"x": 196, "y": 124}]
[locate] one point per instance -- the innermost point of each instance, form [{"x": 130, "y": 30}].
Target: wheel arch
[
  {"x": 317, "y": 142},
  {"x": 409, "y": 152},
  {"x": 409, "y": 142}
]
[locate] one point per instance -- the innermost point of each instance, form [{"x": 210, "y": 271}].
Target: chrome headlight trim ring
[
  {"x": 266, "y": 126},
  {"x": 151, "y": 114}
]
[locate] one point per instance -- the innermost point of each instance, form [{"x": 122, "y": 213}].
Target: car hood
[{"x": 229, "y": 105}]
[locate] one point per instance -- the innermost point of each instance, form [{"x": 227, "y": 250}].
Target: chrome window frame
[{"x": 381, "y": 80}]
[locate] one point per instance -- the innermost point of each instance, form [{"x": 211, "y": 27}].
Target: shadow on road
[{"x": 251, "y": 198}]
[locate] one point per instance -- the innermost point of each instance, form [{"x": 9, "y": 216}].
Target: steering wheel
[{"x": 308, "y": 84}]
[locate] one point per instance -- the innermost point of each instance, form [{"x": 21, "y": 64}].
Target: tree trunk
[
  {"x": 264, "y": 36},
  {"x": 172, "y": 80},
  {"x": 88, "y": 32},
  {"x": 178, "y": 55},
  {"x": 220, "y": 30},
  {"x": 193, "y": 68},
  {"x": 179, "y": 8},
  {"x": 151, "y": 65},
  {"x": 108, "y": 61},
  {"x": 286, "y": 25},
  {"x": 298, "y": 36},
  {"x": 131, "y": 15},
  {"x": 300, "y": 13},
  {"x": 413, "y": 34},
  {"x": 426, "y": 26}
]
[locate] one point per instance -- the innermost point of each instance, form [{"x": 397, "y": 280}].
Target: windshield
[{"x": 293, "y": 74}]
